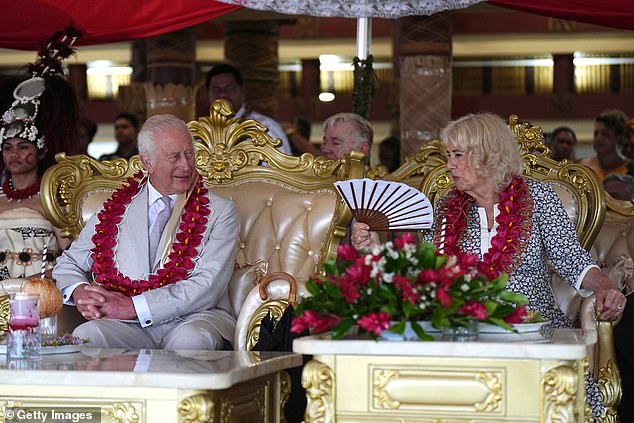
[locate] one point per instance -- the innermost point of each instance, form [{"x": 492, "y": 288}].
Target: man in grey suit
[{"x": 176, "y": 300}]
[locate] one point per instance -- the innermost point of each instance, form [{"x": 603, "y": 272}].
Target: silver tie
[{"x": 159, "y": 225}]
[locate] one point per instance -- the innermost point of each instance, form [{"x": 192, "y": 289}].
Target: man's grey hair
[
  {"x": 363, "y": 130},
  {"x": 152, "y": 130}
]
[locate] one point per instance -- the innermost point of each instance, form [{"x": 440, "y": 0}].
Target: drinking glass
[
  {"x": 48, "y": 329},
  {"x": 23, "y": 337}
]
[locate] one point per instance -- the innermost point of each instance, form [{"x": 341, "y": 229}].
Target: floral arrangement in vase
[{"x": 403, "y": 283}]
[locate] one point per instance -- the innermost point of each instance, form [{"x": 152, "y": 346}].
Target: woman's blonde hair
[{"x": 492, "y": 151}]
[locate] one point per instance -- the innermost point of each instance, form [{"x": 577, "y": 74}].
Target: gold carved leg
[
  {"x": 196, "y": 409},
  {"x": 124, "y": 412},
  {"x": 608, "y": 377},
  {"x": 319, "y": 382},
  {"x": 610, "y": 387},
  {"x": 256, "y": 400},
  {"x": 559, "y": 394}
]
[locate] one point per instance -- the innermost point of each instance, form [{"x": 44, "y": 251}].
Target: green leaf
[
  {"x": 440, "y": 261},
  {"x": 503, "y": 310},
  {"x": 342, "y": 327},
  {"x": 330, "y": 267},
  {"x": 418, "y": 330},
  {"x": 428, "y": 257},
  {"x": 398, "y": 328},
  {"x": 332, "y": 290},
  {"x": 440, "y": 320},
  {"x": 409, "y": 308},
  {"x": 513, "y": 297},
  {"x": 389, "y": 309},
  {"x": 501, "y": 323},
  {"x": 313, "y": 288},
  {"x": 490, "y": 306}
]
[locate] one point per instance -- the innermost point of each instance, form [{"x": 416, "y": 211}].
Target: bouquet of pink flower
[{"x": 404, "y": 282}]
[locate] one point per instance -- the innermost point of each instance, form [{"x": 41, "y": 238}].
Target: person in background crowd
[
  {"x": 87, "y": 131},
  {"x": 619, "y": 186},
  {"x": 298, "y": 134},
  {"x": 345, "y": 132},
  {"x": 390, "y": 153},
  {"x": 627, "y": 145},
  {"x": 126, "y": 129},
  {"x": 609, "y": 129},
  {"x": 225, "y": 82},
  {"x": 562, "y": 144}
]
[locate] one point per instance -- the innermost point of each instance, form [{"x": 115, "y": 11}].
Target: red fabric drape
[
  {"x": 27, "y": 23},
  {"x": 611, "y": 13}
]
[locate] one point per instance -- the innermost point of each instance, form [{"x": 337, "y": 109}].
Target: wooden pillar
[
  {"x": 425, "y": 79},
  {"x": 562, "y": 104},
  {"x": 78, "y": 79},
  {"x": 310, "y": 88},
  {"x": 563, "y": 74},
  {"x": 252, "y": 47},
  {"x": 393, "y": 88},
  {"x": 139, "y": 60},
  {"x": 171, "y": 74}
]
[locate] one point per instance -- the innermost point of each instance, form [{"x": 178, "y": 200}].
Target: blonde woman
[{"x": 513, "y": 224}]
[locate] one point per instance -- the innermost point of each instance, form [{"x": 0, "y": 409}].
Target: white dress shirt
[
  {"x": 275, "y": 130},
  {"x": 155, "y": 205}
]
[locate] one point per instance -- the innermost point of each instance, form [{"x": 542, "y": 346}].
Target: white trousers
[{"x": 190, "y": 332}]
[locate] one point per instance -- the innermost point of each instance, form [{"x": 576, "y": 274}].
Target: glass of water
[{"x": 23, "y": 337}]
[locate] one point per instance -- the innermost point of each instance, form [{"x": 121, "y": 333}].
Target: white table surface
[
  {"x": 564, "y": 344},
  {"x": 146, "y": 368}
]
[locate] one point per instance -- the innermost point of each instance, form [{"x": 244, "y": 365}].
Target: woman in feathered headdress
[{"x": 43, "y": 119}]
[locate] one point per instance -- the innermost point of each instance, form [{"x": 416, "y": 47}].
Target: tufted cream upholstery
[
  {"x": 282, "y": 225},
  {"x": 614, "y": 247},
  {"x": 291, "y": 218}
]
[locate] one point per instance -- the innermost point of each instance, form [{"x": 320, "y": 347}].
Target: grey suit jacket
[{"x": 206, "y": 288}]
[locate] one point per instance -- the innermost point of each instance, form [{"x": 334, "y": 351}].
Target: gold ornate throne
[
  {"x": 290, "y": 213},
  {"x": 584, "y": 199},
  {"x": 291, "y": 217},
  {"x": 613, "y": 248}
]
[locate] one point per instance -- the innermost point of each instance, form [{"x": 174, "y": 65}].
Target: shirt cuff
[
  {"x": 67, "y": 293},
  {"x": 582, "y": 291},
  {"x": 143, "y": 361},
  {"x": 142, "y": 310}
]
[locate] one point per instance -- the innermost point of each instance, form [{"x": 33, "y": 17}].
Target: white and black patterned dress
[
  {"x": 553, "y": 239},
  {"x": 23, "y": 233}
]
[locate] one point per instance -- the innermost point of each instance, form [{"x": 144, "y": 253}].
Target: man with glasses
[{"x": 225, "y": 82}]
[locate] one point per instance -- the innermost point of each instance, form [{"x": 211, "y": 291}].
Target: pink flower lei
[
  {"x": 513, "y": 232},
  {"x": 181, "y": 257}
]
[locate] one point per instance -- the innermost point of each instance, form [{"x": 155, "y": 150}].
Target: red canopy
[
  {"x": 611, "y": 13},
  {"x": 27, "y": 23}
]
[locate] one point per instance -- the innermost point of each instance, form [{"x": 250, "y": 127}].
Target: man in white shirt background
[{"x": 225, "y": 82}]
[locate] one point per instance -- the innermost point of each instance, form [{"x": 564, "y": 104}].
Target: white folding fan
[{"x": 386, "y": 205}]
